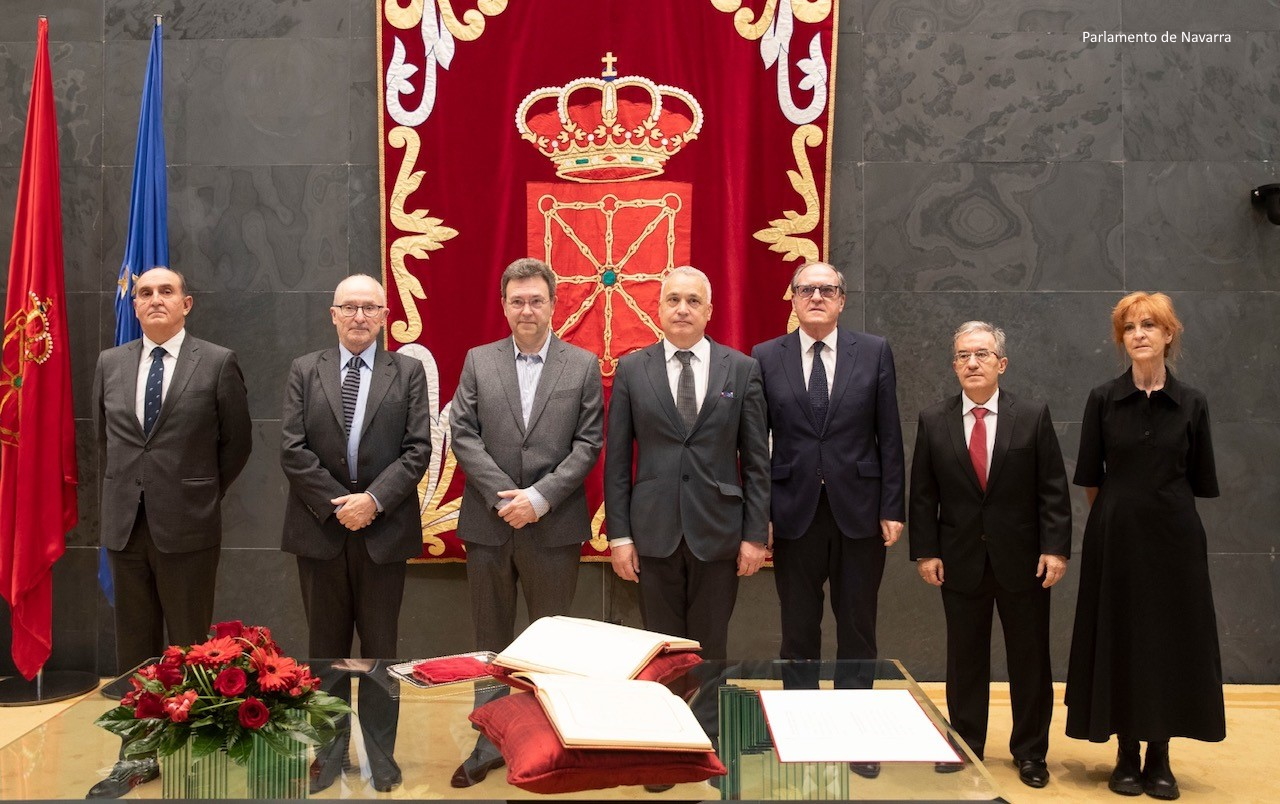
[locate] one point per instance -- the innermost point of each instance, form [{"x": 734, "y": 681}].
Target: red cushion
[
  {"x": 538, "y": 763},
  {"x": 661, "y": 668},
  {"x": 448, "y": 669}
]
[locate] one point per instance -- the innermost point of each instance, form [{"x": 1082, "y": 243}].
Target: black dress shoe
[
  {"x": 472, "y": 770},
  {"x": 1033, "y": 772},
  {"x": 1126, "y": 779},
  {"x": 1157, "y": 777},
  {"x": 386, "y": 776},
  {"x": 948, "y": 767},
  {"x": 657, "y": 788},
  {"x": 867, "y": 770},
  {"x": 126, "y": 775}
]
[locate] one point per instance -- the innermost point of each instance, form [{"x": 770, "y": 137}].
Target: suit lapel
[
  {"x": 330, "y": 370},
  {"x": 955, "y": 429},
  {"x": 846, "y": 359},
  {"x": 656, "y": 369},
  {"x": 185, "y": 364},
  {"x": 504, "y": 356},
  {"x": 793, "y": 369},
  {"x": 552, "y": 368},
  {"x": 133, "y": 356},
  {"x": 380, "y": 379},
  {"x": 717, "y": 374},
  {"x": 1005, "y": 417}
]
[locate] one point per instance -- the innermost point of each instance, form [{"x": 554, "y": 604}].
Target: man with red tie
[{"x": 991, "y": 527}]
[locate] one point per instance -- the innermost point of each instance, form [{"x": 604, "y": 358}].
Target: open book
[
  {"x": 590, "y": 648},
  {"x": 616, "y": 713}
]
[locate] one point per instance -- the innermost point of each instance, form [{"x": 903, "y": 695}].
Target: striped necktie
[{"x": 351, "y": 391}]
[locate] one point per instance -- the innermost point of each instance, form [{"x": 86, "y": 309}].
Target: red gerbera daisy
[
  {"x": 275, "y": 672},
  {"x": 215, "y": 652}
]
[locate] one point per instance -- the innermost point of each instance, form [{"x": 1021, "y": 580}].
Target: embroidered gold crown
[{"x": 610, "y": 128}]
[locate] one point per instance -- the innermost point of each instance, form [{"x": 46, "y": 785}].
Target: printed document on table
[{"x": 852, "y": 726}]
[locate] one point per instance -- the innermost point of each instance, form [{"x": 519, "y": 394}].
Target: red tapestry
[{"x": 614, "y": 139}]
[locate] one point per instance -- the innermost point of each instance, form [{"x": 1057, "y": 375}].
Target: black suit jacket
[
  {"x": 1025, "y": 512},
  {"x": 395, "y": 446},
  {"x": 710, "y": 485},
  {"x": 858, "y": 450}
]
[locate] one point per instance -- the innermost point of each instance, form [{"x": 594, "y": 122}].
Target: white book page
[
  {"x": 622, "y": 714},
  {"x": 852, "y": 726},
  {"x": 584, "y": 648}
]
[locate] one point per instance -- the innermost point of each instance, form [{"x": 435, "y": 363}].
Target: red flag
[{"x": 37, "y": 427}]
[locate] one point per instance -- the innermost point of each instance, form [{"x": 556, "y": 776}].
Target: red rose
[
  {"x": 149, "y": 705},
  {"x": 253, "y": 713},
  {"x": 178, "y": 708},
  {"x": 259, "y": 636},
  {"x": 231, "y": 682},
  {"x": 173, "y": 655},
  {"x": 169, "y": 675},
  {"x": 130, "y": 698},
  {"x": 230, "y": 628}
]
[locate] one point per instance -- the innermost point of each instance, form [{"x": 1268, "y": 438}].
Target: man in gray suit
[
  {"x": 693, "y": 517},
  {"x": 527, "y": 422},
  {"x": 172, "y": 424},
  {"x": 173, "y": 431},
  {"x": 356, "y": 433}
]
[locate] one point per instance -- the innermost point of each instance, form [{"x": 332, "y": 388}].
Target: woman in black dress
[{"x": 1144, "y": 662}]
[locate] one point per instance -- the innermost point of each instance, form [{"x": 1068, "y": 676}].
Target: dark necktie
[
  {"x": 819, "y": 396},
  {"x": 155, "y": 389},
  {"x": 978, "y": 446},
  {"x": 686, "y": 399},
  {"x": 351, "y": 391}
]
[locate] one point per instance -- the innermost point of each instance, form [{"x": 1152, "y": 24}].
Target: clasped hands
[{"x": 355, "y": 511}]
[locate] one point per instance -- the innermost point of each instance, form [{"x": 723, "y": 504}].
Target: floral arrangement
[{"x": 221, "y": 694}]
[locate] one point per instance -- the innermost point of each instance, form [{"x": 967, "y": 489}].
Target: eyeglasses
[
  {"x": 350, "y": 310},
  {"x": 534, "y": 304},
  {"x": 983, "y": 356},
  {"x": 826, "y": 291}
]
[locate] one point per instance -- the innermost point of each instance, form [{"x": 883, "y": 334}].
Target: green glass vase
[{"x": 266, "y": 773}]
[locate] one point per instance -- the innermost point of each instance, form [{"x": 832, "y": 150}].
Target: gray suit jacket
[
  {"x": 553, "y": 454},
  {"x": 710, "y": 485},
  {"x": 198, "y": 446},
  {"x": 395, "y": 447}
]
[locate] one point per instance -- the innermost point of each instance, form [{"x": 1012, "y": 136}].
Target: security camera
[{"x": 1267, "y": 197}]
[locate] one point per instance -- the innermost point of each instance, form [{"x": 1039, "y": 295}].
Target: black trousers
[
  {"x": 854, "y": 568},
  {"x": 349, "y": 595},
  {"x": 684, "y": 596},
  {"x": 1024, "y": 616},
  {"x": 156, "y": 590}
]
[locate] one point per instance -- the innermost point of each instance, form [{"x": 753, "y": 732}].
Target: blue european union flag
[{"x": 147, "y": 244}]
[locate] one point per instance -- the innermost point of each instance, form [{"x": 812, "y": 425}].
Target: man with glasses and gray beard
[{"x": 837, "y": 472}]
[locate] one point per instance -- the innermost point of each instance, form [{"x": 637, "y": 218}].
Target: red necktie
[{"x": 978, "y": 446}]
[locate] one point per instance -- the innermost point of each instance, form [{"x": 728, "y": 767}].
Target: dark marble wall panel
[
  {"x": 850, "y": 20},
  {"x": 1231, "y": 350},
  {"x": 229, "y": 19},
  {"x": 849, "y": 104},
  {"x": 77, "y": 98},
  {"x": 83, "y": 330},
  {"x": 69, "y": 20},
  {"x": 976, "y": 226},
  {"x": 364, "y": 102},
  {"x": 989, "y": 16},
  {"x": 236, "y": 102},
  {"x": 260, "y": 586},
  {"x": 253, "y": 509},
  {"x": 1246, "y": 597},
  {"x": 1203, "y": 101},
  {"x": 1017, "y": 97},
  {"x": 1248, "y": 463},
  {"x": 854, "y": 314},
  {"x": 1192, "y": 226},
  {"x": 270, "y": 228},
  {"x": 847, "y": 228},
  {"x": 75, "y": 628},
  {"x": 88, "y": 489},
  {"x": 1199, "y": 16},
  {"x": 1051, "y": 342},
  {"x": 364, "y": 18},
  {"x": 364, "y": 217}
]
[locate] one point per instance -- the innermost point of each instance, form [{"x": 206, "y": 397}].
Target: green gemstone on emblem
[
  {"x": 17, "y": 381},
  {"x": 609, "y": 277},
  {"x": 581, "y": 161},
  {"x": 637, "y": 159}
]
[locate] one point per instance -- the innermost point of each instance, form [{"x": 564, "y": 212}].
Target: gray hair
[
  {"x": 970, "y": 327},
  {"x": 687, "y": 270},
  {"x": 528, "y": 268},
  {"x": 796, "y": 276}
]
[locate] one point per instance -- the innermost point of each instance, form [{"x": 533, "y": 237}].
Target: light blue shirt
[
  {"x": 362, "y": 403},
  {"x": 528, "y": 372}
]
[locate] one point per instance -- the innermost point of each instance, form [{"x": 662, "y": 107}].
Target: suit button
[
  {"x": 524, "y": 447},
  {"x": 685, "y": 478},
  {"x": 983, "y": 537},
  {"x": 137, "y": 481}
]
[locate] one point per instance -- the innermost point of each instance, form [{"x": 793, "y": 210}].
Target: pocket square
[{"x": 727, "y": 394}]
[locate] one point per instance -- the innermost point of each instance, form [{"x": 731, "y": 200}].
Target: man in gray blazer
[
  {"x": 527, "y": 422},
  {"x": 693, "y": 517},
  {"x": 173, "y": 431},
  {"x": 356, "y": 433}
]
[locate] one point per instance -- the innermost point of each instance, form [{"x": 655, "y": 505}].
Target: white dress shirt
[
  {"x": 828, "y": 357},
  {"x": 362, "y": 404},
  {"x": 966, "y": 409},
  {"x": 171, "y": 349},
  {"x": 528, "y": 373}
]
